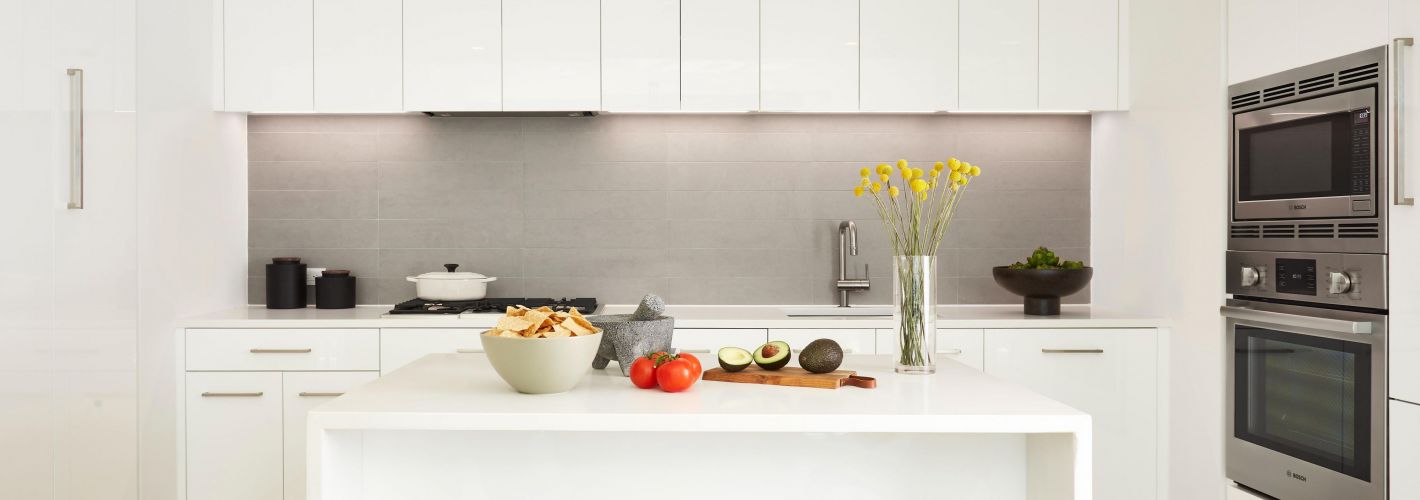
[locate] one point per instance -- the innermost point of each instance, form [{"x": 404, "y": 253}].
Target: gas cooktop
[{"x": 492, "y": 305}]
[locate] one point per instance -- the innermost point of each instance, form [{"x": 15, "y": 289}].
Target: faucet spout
[{"x": 848, "y": 245}]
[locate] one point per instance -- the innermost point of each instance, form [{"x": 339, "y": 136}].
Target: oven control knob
[
  {"x": 1339, "y": 283},
  {"x": 1250, "y": 276}
]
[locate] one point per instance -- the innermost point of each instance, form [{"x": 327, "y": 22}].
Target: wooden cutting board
[{"x": 791, "y": 376}]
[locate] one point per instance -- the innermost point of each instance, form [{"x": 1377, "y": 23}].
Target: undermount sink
[{"x": 838, "y": 311}]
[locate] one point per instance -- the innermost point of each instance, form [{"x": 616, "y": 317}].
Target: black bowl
[{"x": 1042, "y": 288}]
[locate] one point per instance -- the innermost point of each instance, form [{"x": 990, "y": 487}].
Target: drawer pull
[
  {"x": 305, "y": 394},
  {"x": 1072, "y": 351},
  {"x": 949, "y": 351},
  {"x": 280, "y": 351},
  {"x": 464, "y": 350},
  {"x": 232, "y": 394},
  {"x": 695, "y": 351}
]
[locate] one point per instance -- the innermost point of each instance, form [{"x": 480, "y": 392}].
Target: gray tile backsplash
[{"x": 702, "y": 209}]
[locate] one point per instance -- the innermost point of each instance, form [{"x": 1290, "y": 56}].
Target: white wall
[
  {"x": 191, "y": 213},
  {"x": 1159, "y": 211}
]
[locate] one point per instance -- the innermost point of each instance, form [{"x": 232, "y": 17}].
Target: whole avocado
[{"x": 821, "y": 356}]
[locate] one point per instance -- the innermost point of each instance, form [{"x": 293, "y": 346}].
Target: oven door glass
[
  {"x": 1318, "y": 156},
  {"x": 1304, "y": 396}
]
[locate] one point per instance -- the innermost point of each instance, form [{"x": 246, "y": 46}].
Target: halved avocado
[
  {"x": 772, "y": 356},
  {"x": 734, "y": 359}
]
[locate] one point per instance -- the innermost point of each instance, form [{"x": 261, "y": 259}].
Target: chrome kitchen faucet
[{"x": 848, "y": 245}]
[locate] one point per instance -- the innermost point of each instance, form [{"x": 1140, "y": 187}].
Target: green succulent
[{"x": 1043, "y": 258}]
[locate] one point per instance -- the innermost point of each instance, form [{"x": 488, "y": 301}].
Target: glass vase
[{"x": 914, "y": 313}]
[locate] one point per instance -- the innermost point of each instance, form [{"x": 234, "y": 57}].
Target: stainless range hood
[{"x": 510, "y": 114}]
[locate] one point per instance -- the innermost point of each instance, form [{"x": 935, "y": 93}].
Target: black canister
[
  {"x": 285, "y": 283},
  {"x": 335, "y": 289}
]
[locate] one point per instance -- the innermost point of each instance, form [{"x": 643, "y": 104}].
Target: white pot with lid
[{"x": 450, "y": 285}]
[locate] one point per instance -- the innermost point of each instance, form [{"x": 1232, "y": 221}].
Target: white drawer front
[
  {"x": 706, "y": 343},
  {"x": 302, "y": 392},
  {"x": 283, "y": 349},
  {"x": 401, "y": 346},
  {"x": 964, "y": 345},
  {"x": 853, "y": 341}
]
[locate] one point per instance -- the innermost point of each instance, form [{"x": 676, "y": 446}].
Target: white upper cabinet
[
  {"x": 269, "y": 62},
  {"x": 358, "y": 52},
  {"x": 999, "y": 58},
  {"x": 809, "y": 51},
  {"x": 551, "y": 55},
  {"x": 908, "y": 55},
  {"x": 1269, "y": 36},
  {"x": 719, "y": 55},
  {"x": 640, "y": 55},
  {"x": 1079, "y": 55},
  {"x": 1405, "y": 320},
  {"x": 453, "y": 55}
]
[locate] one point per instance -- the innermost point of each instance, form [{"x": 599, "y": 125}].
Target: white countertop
[
  {"x": 462, "y": 392},
  {"x": 952, "y": 316}
]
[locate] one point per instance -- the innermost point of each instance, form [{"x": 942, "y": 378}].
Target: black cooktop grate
[{"x": 492, "y": 305}]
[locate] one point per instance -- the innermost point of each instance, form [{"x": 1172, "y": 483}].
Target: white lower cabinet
[
  {"x": 1110, "y": 374},
  {"x": 963, "y": 345},
  {"x": 853, "y": 341},
  {"x": 401, "y": 346},
  {"x": 1237, "y": 493},
  {"x": 234, "y": 436},
  {"x": 706, "y": 343},
  {"x": 301, "y": 392},
  {"x": 1404, "y": 450}
]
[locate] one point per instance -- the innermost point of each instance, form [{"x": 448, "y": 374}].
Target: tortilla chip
[
  {"x": 509, "y": 334},
  {"x": 514, "y": 323}
]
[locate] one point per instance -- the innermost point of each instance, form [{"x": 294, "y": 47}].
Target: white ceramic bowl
[{"x": 542, "y": 366}]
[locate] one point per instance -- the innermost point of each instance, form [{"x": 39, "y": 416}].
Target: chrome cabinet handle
[
  {"x": 280, "y": 351},
  {"x": 1402, "y": 194},
  {"x": 467, "y": 351},
  {"x": 76, "y": 138},
  {"x": 305, "y": 394},
  {"x": 232, "y": 394},
  {"x": 1072, "y": 351},
  {"x": 949, "y": 351}
]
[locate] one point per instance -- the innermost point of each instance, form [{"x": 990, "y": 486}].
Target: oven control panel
[{"x": 1326, "y": 278}]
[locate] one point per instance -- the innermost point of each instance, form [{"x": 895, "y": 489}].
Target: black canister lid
[
  {"x": 335, "y": 272},
  {"x": 285, "y": 260}
]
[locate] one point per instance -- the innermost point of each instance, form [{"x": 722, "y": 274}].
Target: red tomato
[
  {"x": 676, "y": 375},
  {"x": 643, "y": 373},
  {"x": 694, "y": 361},
  {"x": 660, "y": 357}
]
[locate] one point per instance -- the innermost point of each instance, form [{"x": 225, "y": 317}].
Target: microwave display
[{"x": 1317, "y": 156}]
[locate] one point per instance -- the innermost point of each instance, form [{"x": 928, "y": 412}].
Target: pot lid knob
[{"x": 451, "y": 267}]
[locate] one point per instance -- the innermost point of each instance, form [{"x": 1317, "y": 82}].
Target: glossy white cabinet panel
[
  {"x": 706, "y": 343},
  {"x": 1236, "y": 493},
  {"x": 301, "y": 392},
  {"x": 964, "y": 345},
  {"x": 999, "y": 62},
  {"x": 719, "y": 55},
  {"x": 1269, "y": 36},
  {"x": 551, "y": 55},
  {"x": 400, "y": 346},
  {"x": 357, "y": 56},
  {"x": 853, "y": 341},
  {"x": 909, "y": 55},
  {"x": 1404, "y": 344},
  {"x": 1404, "y": 447},
  {"x": 1079, "y": 55},
  {"x": 640, "y": 55},
  {"x": 234, "y": 431},
  {"x": 1328, "y": 29},
  {"x": 809, "y": 51},
  {"x": 1110, "y": 374},
  {"x": 453, "y": 55},
  {"x": 283, "y": 349},
  {"x": 269, "y": 55}
]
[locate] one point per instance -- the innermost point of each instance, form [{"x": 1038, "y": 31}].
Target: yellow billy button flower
[
  {"x": 884, "y": 169},
  {"x": 893, "y": 191},
  {"x": 901, "y": 163},
  {"x": 937, "y": 167},
  {"x": 975, "y": 171},
  {"x": 965, "y": 181},
  {"x": 883, "y": 177},
  {"x": 922, "y": 196},
  {"x": 917, "y": 173},
  {"x": 864, "y": 172},
  {"x": 907, "y": 174},
  {"x": 956, "y": 176},
  {"x": 954, "y": 164},
  {"x": 866, "y": 182},
  {"x": 932, "y": 184},
  {"x": 919, "y": 185},
  {"x": 876, "y": 187},
  {"x": 858, "y": 191},
  {"x": 934, "y": 173}
]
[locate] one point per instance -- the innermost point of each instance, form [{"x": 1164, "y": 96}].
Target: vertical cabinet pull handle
[
  {"x": 1402, "y": 193},
  {"x": 232, "y": 394},
  {"x": 76, "y": 138},
  {"x": 280, "y": 351},
  {"x": 1072, "y": 351},
  {"x": 320, "y": 394}
]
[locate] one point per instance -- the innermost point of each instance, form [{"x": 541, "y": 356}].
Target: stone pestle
[{"x": 652, "y": 306}]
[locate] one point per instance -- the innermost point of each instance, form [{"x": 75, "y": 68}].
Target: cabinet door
[
  {"x": 853, "y": 341},
  {"x": 810, "y": 55},
  {"x": 964, "y": 345},
  {"x": 551, "y": 55},
  {"x": 453, "y": 55},
  {"x": 998, "y": 55},
  {"x": 1236, "y": 493},
  {"x": 401, "y": 346},
  {"x": 1327, "y": 28},
  {"x": 301, "y": 393},
  {"x": 1404, "y": 345},
  {"x": 269, "y": 61},
  {"x": 357, "y": 56},
  {"x": 234, "y": 436},
  {"x": 641, "y": 55},
  {"x": 706, "y": 343},
  {"x": 719, "y": 55},
  {"x": 1109, "y": 374},
  {"x": 909, "y": 55},
  {"x": 1261, "y": 38},
  {"x": 1404, "y": 449},
  {"x": 1079, "y": 55}
]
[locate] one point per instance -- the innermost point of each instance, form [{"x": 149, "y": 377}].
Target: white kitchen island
[{"x": 446, "y": 427}]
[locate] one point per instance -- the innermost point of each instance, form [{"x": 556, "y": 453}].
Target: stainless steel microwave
[{"x": 1308, "y": 151}]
